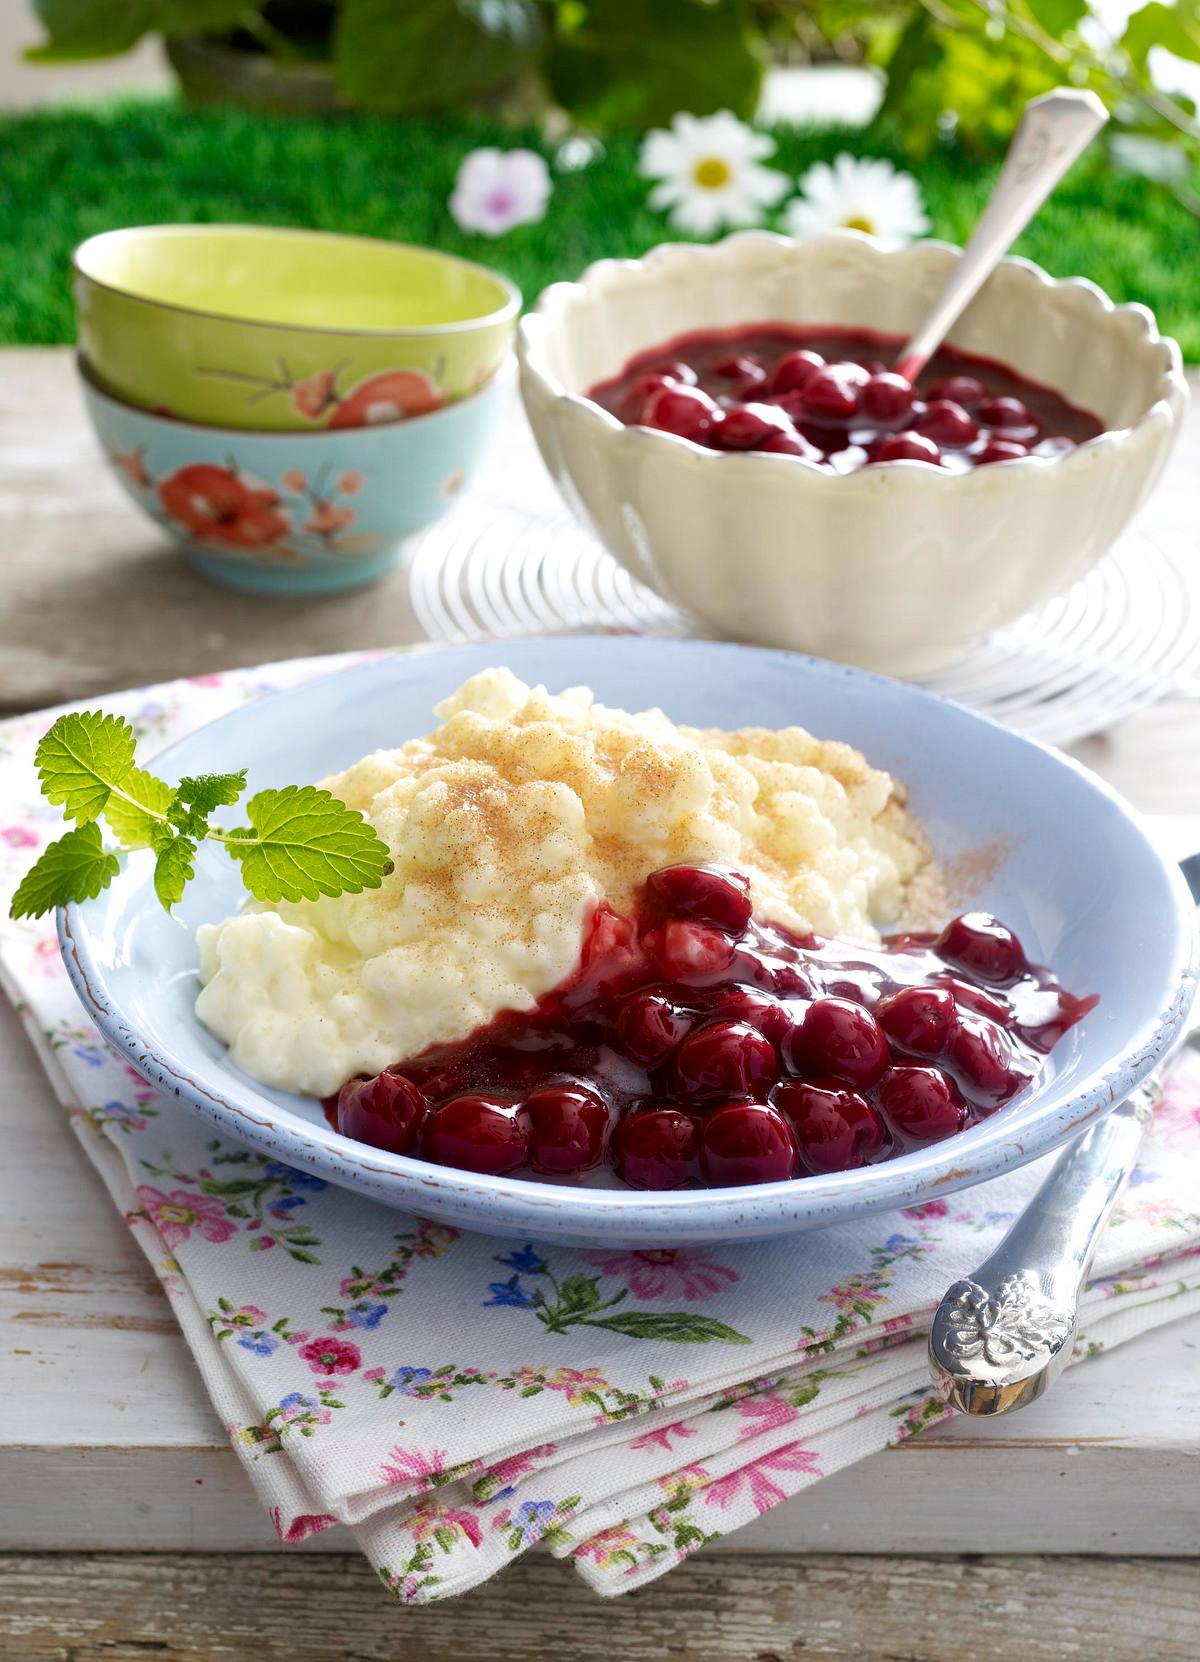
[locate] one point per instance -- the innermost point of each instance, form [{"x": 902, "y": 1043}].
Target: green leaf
[
  {"x": 76, "y": 867},
  {"x": 81, "y": 758},
  {"x": 1175, "y": 27},
  {"x": 435, "y": 55},
  {"x": 303, "y": 843},
  {"x": 678, "y": 1326},
  {"x": 578, "y": 1292},
  {"x": 1057, "y": 17},
  {"x": 90, "y": 28},
  {"x": 635, "y": 63},
  {"x": 195, "y": 799},
  {"x": 134, "y": 824},
  {"x": 211, "y": 790},
  {"x": 173, "y": 870}
]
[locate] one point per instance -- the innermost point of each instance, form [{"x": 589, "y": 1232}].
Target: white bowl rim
[
  {"x": 502, "y": 377},
  {"x": 129, "y": 233},
  {"x": 515, "y": 1205},
  {"x": 530, "y": 331}
]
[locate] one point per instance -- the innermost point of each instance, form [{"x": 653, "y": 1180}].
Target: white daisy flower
[
  {"x": 497, "y": 189},
  {"x": 858, "y": 194},
  {"x": 710, "y": 173}
]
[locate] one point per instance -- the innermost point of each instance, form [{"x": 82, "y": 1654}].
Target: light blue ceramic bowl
[
  {"x": 297, "y": 513},
  {"x": 1079, "y": 880}
]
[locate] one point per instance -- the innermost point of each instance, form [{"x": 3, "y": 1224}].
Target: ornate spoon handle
[
  {"x": 1055, "y": 129},
  {"x": 1000, "y": 1336}
]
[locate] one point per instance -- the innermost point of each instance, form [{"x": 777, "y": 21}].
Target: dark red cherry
[
  {"x": 970, "y": 997},
  {"x": 887, "y": 398},
  {"x": 633, "y": 402},
  {"x": 746, "y": 1142},
  {"x": 984, "y": 1062},
  {"x": 834, "y": 392},
  {"x": 947, "y": 424},
  {"x": 984, "y": 947},
  {"x": 748, "y": 1004},
  {"x": 649, "y": 1026},
  {"x": 725, "y": 1058},
  {"x": 744, "y": 368},
  {"x": 905, "y": 447},
  {"x": 477, "y": 1133},
  {"x": 999, "y": 450},
  {"x": 704, "y": 894},
  {"x": 749, "y": 426},
  {"x": 840, "y": 1038},
  {"x": 795, "y": 370},
  {"x": 690, "y": 951},
  {"x": 684, "y": 411},
  {"x": 836, "y": 1129},
  {"x": 656, "y": 1148},
  {"x": 959, "y": 389},
  {"x": 922, "y": 1102},
  {"x": 1004, "y": 412},
  {"x": 566, "y": 1128},
  {"x": 918, "y": 1019},
  {"x": 677, "y": 370},
  {"x": 791, "y": 444},
  {"x": 387, "y": 1112}
]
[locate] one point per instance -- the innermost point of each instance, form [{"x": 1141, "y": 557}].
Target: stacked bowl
[{"x": 290, "y": 405}]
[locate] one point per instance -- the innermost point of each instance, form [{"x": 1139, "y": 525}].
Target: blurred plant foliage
[{"x": 953, "y": 70}]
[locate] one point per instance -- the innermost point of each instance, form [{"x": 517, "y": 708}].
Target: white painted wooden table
[{"x": 107, "y": 1440}]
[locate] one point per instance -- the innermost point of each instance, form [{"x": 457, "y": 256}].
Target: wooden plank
[{"x": 756, "y": 1609}]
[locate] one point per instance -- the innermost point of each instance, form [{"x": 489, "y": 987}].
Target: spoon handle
[
  {"x": 1055, "y": 129},
  {"x": 1002, "y": 1334}
]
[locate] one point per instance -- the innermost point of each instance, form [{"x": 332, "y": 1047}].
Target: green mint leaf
[
  {"x": 81, "y": 758},
  {"x": 134, "y": 823},
  {"x": 76, "y": 867},
  {"x": 195, "y": 799},
  {"x": 302, "y": 843},
  {"x": 677, "y": 1326},
  {"x": 211, "y": 790},
  {"x": 173, "y": 869}
]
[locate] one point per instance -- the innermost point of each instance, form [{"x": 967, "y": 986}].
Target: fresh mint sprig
[{"x": 301, "y": 842}]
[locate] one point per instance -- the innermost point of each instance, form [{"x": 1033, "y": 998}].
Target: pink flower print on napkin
[
  {"x": 406, "y": 1465},
  {"x": 301, "y": 1527},
  {"x": 764, "y": 1493},
  {"x": 765, "y": 1413},
  {"x": 662, "y": 1435},
  {"x": 181, "y": 1213},
  {"x": 331, "y": 1356},
  {"x": 666, "y": 1272}
]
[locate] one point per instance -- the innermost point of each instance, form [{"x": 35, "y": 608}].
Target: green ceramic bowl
[{"x": 285, "y": 331}]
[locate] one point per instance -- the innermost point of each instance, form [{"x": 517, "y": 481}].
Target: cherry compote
[
  {"x": 695, "y": 1045},
  {"x": 825, "y": 394}
]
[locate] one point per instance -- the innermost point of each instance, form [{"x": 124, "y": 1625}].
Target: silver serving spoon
[
  {"x": 1002, "y": 1334},
  {"x": 1055, "y": 130}
]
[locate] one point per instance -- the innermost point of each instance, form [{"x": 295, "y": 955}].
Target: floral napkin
[{"x": 456, "y": 1399}]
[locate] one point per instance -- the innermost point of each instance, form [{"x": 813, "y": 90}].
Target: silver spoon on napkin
[
  {"x": 1003, "y": 1333},
  {"x": 1055, "y": 130}
]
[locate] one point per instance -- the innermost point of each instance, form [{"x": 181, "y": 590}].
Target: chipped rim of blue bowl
[{"x": 521, "y": 1208}]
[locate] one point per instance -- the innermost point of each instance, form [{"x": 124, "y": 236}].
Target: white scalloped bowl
[{"x": 896, "y": 568}]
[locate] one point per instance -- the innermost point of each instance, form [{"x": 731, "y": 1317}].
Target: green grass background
[{"x": 65, "y": 174}]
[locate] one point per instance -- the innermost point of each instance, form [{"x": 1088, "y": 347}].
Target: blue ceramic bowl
[
  {"x": 1079, "y": 880},
  {"x": 296, "y": 513}
]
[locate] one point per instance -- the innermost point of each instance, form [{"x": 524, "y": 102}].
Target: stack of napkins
[{"x": 457, "y": 1399}]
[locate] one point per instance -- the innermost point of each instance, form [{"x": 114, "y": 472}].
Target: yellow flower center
[
  {"x": 711, "y": 173},
  {"x": 858, "y": 222}
]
